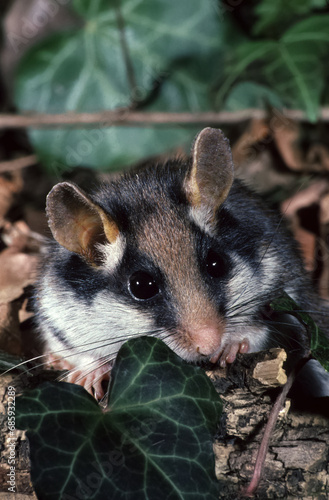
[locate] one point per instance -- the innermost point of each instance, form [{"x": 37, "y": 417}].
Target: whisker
[
  {"x": 22, "y": 364},
  {"x": 310, "y": 312},
  {"x": 91, "y": 367},
  {"x": 83, "y": 348},
  {"x": 245, "y": 306}
]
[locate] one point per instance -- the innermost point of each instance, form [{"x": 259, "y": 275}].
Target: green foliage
[
  {"x": 10, "y": 362},
  {"x": 153, "y": 441},
  {"x": 293, "y": 66},
  {"x": 252, "y": 95},
  {"x": 319, "y": 345},
  {"x": 113, "y": 61},
  {"x": 272, "y": 16},
  {"x": 194, "y": 55}
]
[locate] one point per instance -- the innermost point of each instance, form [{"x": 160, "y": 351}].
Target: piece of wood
[{"x": 296, "y": 465}]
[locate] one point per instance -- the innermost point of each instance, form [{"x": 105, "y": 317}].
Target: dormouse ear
[
  {"x": 212, "y": 173},
  {"x": 77, "y": 223}
]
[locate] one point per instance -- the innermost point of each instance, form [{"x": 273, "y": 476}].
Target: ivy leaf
[
  {"x": 157, "y": 33},
  {"x": 246, "y": 95},
  {"x": 273, "y": 15},
  {"x": 188, "y": 88},
  {"x": 154, "y": 440},
  {"x": 293, "y": 66},
  {"x": 244, "y": 55},
  {"x": 319, "y": 341},
  {"x": 113, "y": 61},
  {"x": 12, "y": 362}
]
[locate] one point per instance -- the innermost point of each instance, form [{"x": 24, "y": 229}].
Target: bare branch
[
  {"x": 127, "y": 117},
  {"x": 17, "y": 164}
]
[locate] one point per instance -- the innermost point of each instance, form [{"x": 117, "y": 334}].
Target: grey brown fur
[{"x": 212, "y": 256}]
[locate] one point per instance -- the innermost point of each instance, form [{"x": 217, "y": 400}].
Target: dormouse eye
[
  {"x": 216, "y": 265},
  {"x": 143, "y": 286}
]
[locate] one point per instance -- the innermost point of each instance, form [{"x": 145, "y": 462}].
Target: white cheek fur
[
  {"x": 83, "y": 325},
  {"x": 243, "y": 301},
  {"x": 202, "y": 216},
  {"x": 112, "y": 253},
  {"x": 245, "y": 284}
]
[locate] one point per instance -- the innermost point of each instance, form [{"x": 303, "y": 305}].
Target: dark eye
[
  {"x": 216, "y": 265},
  {"x": 143, "y": 286}
]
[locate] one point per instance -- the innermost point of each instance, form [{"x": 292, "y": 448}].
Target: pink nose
[{"x": 207, "y": 337}]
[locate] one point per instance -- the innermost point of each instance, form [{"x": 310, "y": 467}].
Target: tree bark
[{"x": 297, "y": 462}]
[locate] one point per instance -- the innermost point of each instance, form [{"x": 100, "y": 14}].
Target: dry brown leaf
[
  {"x": 10, "y": 333},
  {"x": 313, "y": 244},
  {"x": 304, "y": 198},
  {"x": 254, "y": 160},
  {"x": 324, "y": 209},
  {"x": 262, "y": 176},
  {"x": 307, "y": 243},
  {"x": 10, "y": 186},
  {"x": 318, "y": 154},
  {"x": 286, "y": 137},
  {"x": 20, "y": 237},
  {"x": 324, "y": 246},
  {"x": 25, "y": 312},
  {"x": 17, "y": 271},
  {"x": 288, "y": 141},
  {"x": 243, "y": 150}
]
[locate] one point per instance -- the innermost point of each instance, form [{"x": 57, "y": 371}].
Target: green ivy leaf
[
  {"x": 319, "y": 341},
  {"x": 106, "y": 148},
  {"x": 188, "y": 88},
  {"x": 154, "y": 441},
  {"x": 293, "y": 67},
  {"x": 272, "y": 16},
  {"x": 11, "y": 362},
  {"x": 87, "y": 70},
  {"x": 246, "y": 95},
  {"x": 243, "y": 56},
  {"x": 89, "y": 9}
]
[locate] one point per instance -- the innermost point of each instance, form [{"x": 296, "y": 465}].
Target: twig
[
  {"x": 128, "y": 117},
  {"x": 260, "y": 460},
  {"x": 250, "y": 490},
  {"x": 17, "y": 164}
]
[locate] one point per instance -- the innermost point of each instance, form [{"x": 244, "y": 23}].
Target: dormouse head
[
  {"x": 145, "y": 229},
  {"x": 80, "y": 224}
]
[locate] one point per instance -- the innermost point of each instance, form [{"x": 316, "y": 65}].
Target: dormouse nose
[{"x": 207, "y": 337}]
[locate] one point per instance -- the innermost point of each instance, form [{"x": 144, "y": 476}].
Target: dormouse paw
[
  {"x": 58, "y": 363},
  {"x": 90, "y": 379},
  {"x": 228, "y": 354}
]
